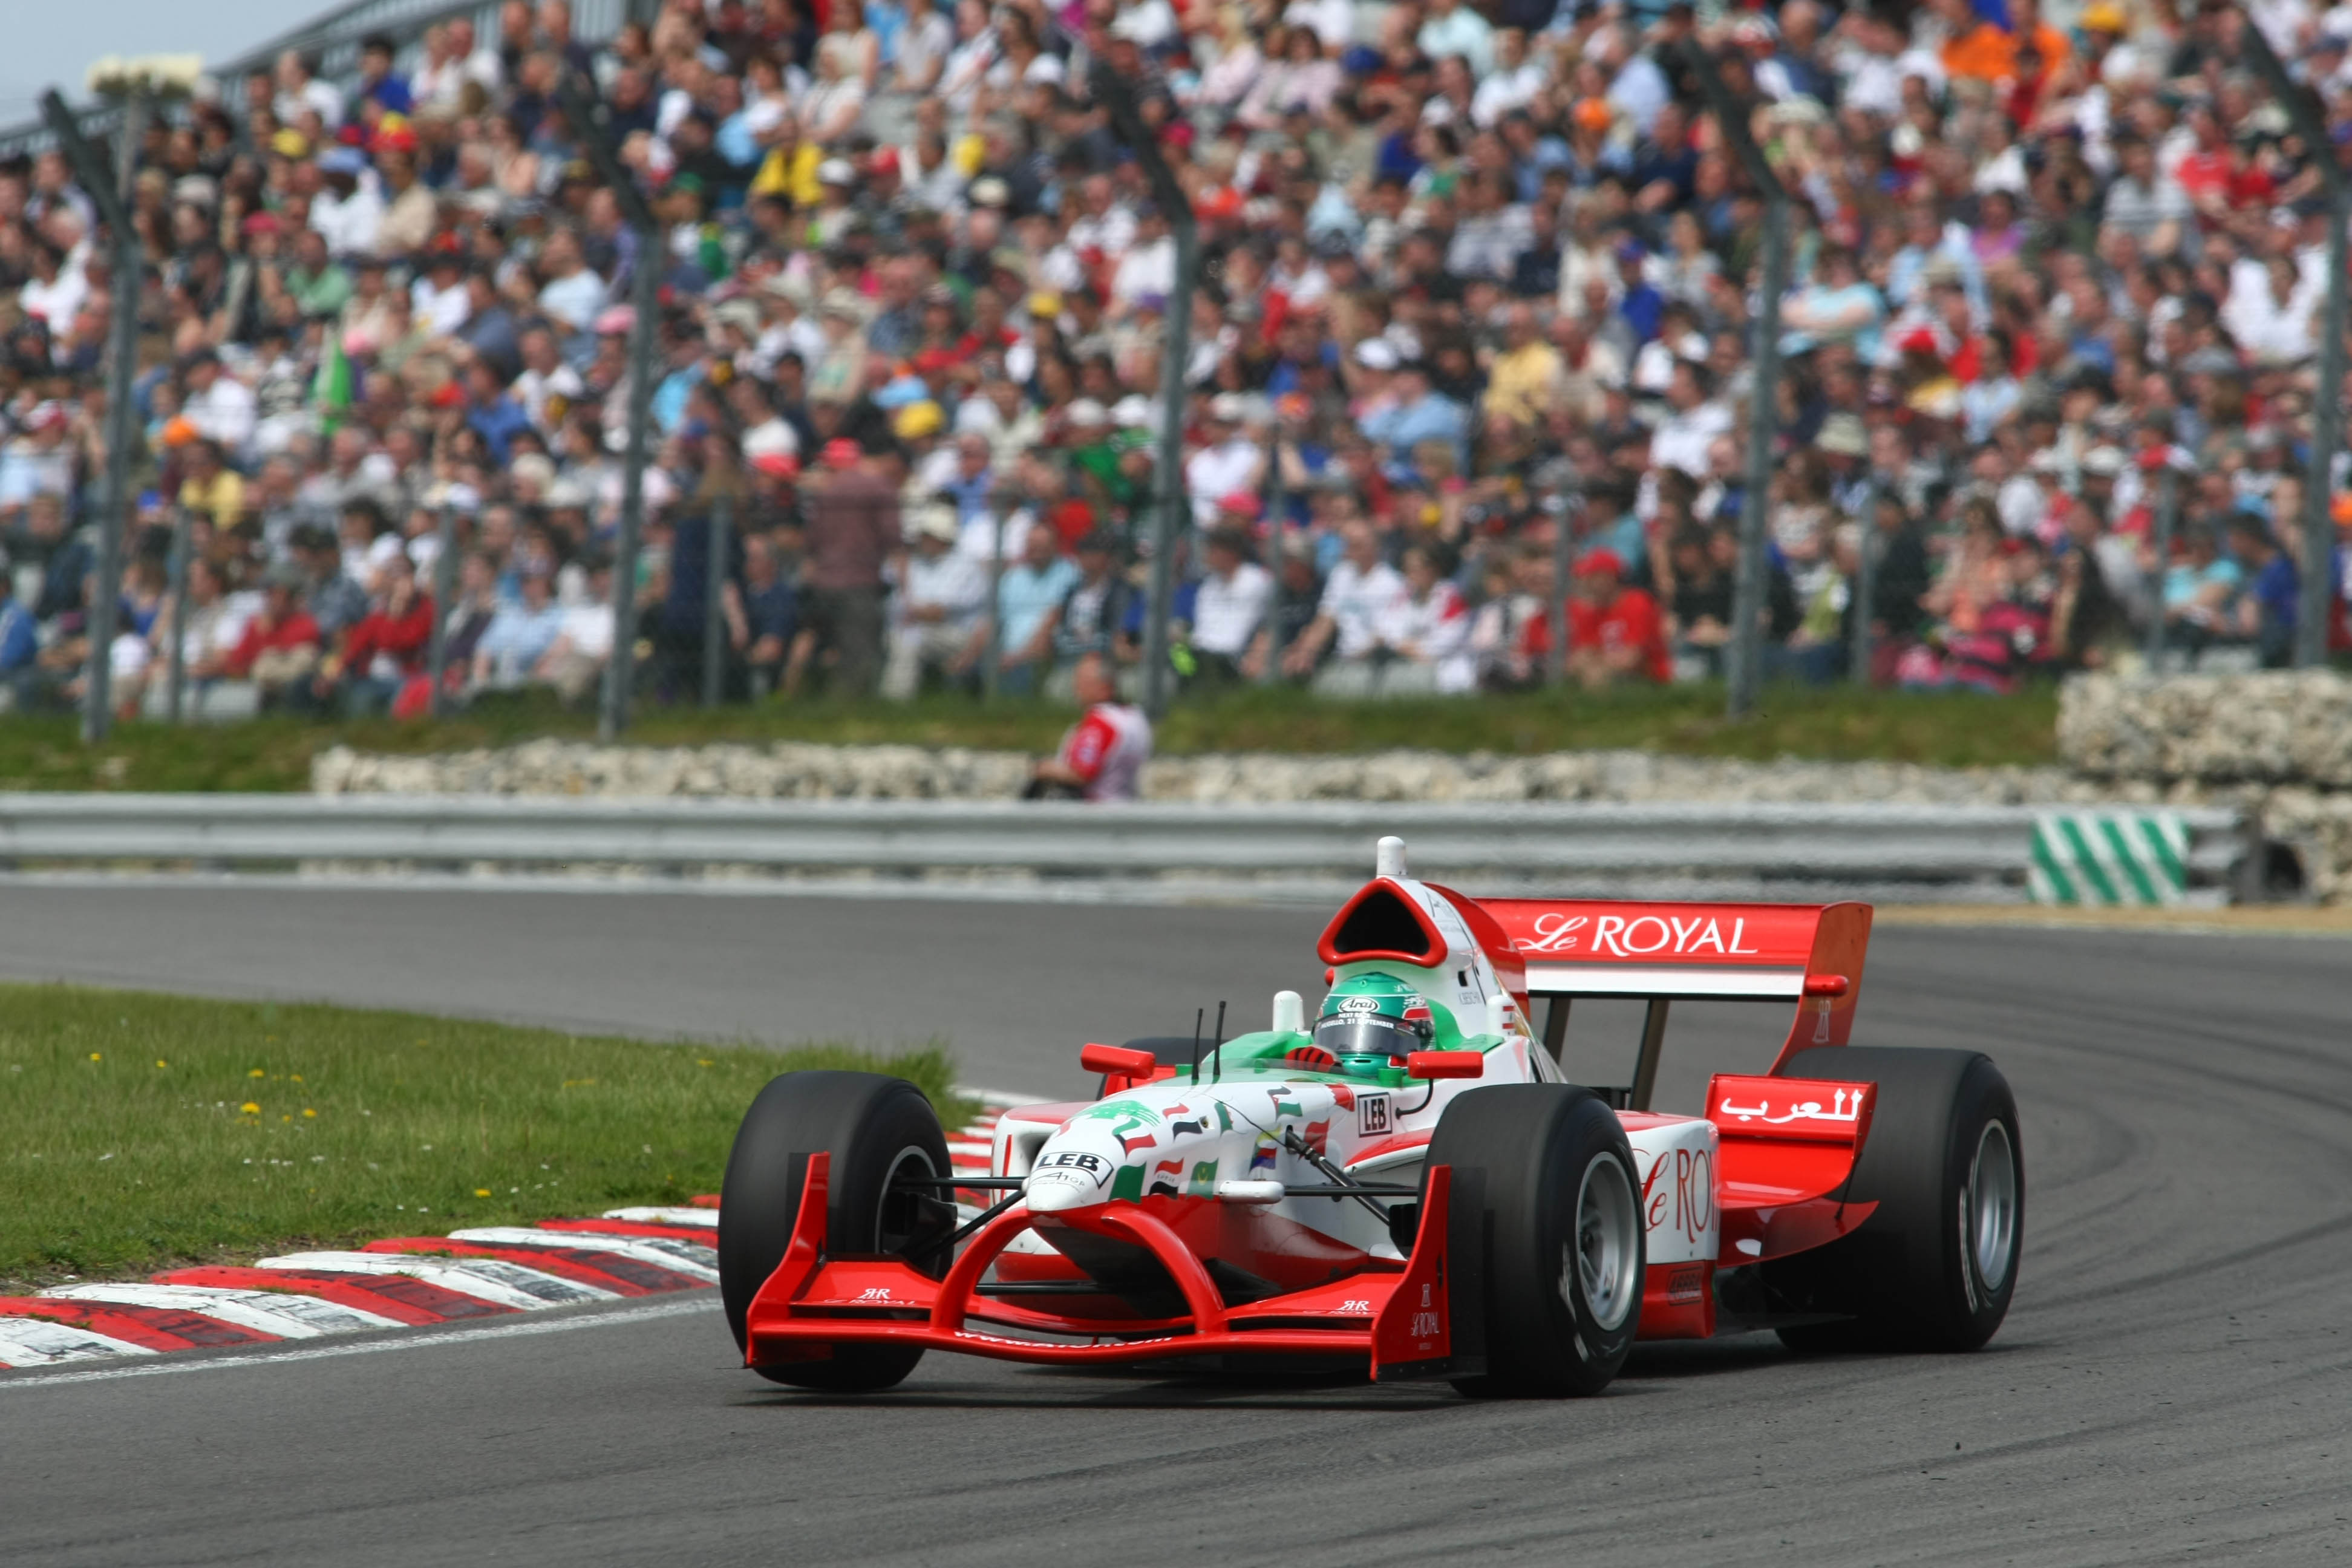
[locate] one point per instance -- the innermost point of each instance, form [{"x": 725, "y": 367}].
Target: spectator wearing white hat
[{"x": 936, "y": 613}]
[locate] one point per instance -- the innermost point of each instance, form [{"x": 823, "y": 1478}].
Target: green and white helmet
[{"x": 1372, "y": 1021}]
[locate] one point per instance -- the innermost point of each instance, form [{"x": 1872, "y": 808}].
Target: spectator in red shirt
[
  {"x": 1102, "y": 756},
  {"x": 1614, "y": 633},
  {"x": 386, "y": 649},
  {"x": 280, "y": 645}
]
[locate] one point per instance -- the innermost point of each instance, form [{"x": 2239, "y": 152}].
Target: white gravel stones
[{"x": 795, "y": 771}]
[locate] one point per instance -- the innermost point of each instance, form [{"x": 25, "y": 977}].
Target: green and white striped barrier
[{"x": 2109, "y": 857}]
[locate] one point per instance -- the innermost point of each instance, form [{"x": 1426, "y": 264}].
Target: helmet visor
[{"x": 1370, "y": 1035}]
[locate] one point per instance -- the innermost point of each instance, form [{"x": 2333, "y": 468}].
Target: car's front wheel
[
  {"x": 883, "y": 1136},
  {"x": 1556, "y": 1207}
]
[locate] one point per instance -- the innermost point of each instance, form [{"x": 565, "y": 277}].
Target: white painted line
[
  {"x": 707, "y": 1218},
  {"x": 266, "y": 1356},
  {"x": 1761, "y": 984},
  {"x": 290, "y": 1317},
  {"x": 974, "y": 1151},
  {"x": 37, "y": 1342},
  {"x": 685, "y": 1258},
  {"x": 487, "y": 1278}
]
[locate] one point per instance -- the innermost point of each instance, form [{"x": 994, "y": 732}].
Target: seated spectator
[
  {"x": 1699, "y": 616},
  {"x": 1511, "y": 639},
  {"x": 383, "y": 649},
  {"x": 520, "y": 633},
  {"x": 2267, "y": 610},
  {"x": 1298, "y": 600},
  {"x": 475, "y": 605},
  {"x": 1027, "y": 594},
  {"x": 331, "y": 596},
  {"x": 211, "y": 629},
  {"x": 574, "y": 662},
  {"x": 1615, "y": 634},
  {"x": 1360, "y": 593},
  {"x": 1093, "y": 614},
  {"x": 280, "y": 650},
  {"x": 765, "y": 615},
  {"x": 2201, "y": 588},
  {"x": 1228, "y": 607},
  {"x": 19, "y": 641},
  {"x": 943, "y": 593},
  {"x": 1427, "y": 630}
]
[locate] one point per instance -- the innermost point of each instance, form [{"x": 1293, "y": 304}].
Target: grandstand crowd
[{"x": 1472, "y": 274}]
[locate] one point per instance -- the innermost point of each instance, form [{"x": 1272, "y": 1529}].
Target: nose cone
[{"x": 1051, "y": 1192}]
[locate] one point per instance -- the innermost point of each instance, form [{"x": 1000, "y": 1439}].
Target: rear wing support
[{"x": 1808, "y": 954}]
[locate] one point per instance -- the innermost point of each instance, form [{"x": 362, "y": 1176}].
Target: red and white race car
[{"x": 1406, "y": 1183}]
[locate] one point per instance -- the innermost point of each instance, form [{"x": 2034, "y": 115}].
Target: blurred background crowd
[{"x": 1474, "y": 274}]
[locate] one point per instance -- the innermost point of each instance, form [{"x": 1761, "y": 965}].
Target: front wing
[{"x": 1399, "y": 1319}]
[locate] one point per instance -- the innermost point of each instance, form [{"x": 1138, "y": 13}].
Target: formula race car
[{"x": 1405, "y": 1182}]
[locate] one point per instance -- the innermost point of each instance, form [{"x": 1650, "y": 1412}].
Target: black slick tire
[
  {"x": 1935, "y": 1266},
  {"x": 1556, "y": 1208},
  {"x": 874, "y": 1126}
]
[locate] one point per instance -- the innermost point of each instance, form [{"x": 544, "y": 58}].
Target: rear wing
[{"x": 1808, "y": 954}]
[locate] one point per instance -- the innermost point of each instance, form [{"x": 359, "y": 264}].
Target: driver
[{"x": 1374, "y": 1021}]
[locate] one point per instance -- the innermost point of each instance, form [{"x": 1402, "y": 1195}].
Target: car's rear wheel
[
  {"x": 1936, "y": 1265},
  {"x": 1556, "y": 1208},
  {"x": 882, "y": 1134}
]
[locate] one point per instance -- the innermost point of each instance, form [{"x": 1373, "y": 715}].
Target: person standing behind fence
[{"x": 853, "y": 527}]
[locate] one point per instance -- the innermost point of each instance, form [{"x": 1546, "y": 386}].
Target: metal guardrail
[
  {"x": 332, "y": 39},
  {"x": 1880, "y": 845}
]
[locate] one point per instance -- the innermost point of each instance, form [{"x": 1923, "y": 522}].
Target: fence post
[
  {"x": 1563, "y": 562},
  {"x": 1865, "y": 583},
  {"x": 714, "y": 600},
  {"x": 1745, "y": 664},
  {"x": 579, "y": 108},
  {"x": 108, "y": 189},
  {"x": 2167, "y": 524},
  {"x": 1169, "y": 512},
  {"x": 176, "y": 679},
  {"x": 445, "y": 592}
]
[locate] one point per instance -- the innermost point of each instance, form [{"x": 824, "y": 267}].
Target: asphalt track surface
[{"x": 2171, "y": 1386}]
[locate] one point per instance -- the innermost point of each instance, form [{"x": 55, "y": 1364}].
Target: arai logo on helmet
[{"x": 1358, "y": 1005}]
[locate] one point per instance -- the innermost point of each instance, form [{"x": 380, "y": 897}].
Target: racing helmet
[{"x": 1373, "y": 1021}]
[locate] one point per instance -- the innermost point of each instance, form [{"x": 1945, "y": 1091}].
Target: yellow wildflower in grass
[
  {"x": 306, "y": 1111},
  {"x": 249, "y": 1109},
  {"x": 97, "y": 1055},
  {"x": 257, "y": 1073},
  {"x": 481, "y": 1192}
]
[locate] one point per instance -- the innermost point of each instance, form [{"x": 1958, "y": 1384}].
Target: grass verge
[
  {"x": 1828, "y": 723},
  {"x": 141, "y": 1131}
]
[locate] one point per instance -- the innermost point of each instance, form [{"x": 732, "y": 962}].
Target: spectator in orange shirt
[{"x": 1985, "y": 51}]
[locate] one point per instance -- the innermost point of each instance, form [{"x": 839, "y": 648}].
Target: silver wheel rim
[
  {"x": 1992, "y": 1208},
  {"x": 1607, "y": 1249}
]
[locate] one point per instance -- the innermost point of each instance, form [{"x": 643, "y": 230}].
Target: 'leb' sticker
[
  {"x": 1072, "y": 1160},
  {"x": 1371, "y": 1115}
]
